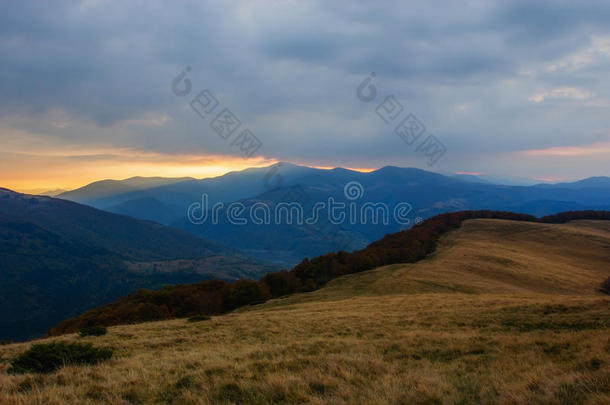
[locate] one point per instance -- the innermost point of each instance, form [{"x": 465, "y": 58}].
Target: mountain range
[
  {"x": 60, "y": 258},
  {"x": 167, "y": 201}
]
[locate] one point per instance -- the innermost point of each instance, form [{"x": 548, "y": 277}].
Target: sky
[{"x": 92, "y": 89}]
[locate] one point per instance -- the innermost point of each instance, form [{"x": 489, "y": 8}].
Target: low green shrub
[
  {"x": 46, "y": 358},
  {"x": 96, "y": 330},
  {"x": 198, "y": 318}
]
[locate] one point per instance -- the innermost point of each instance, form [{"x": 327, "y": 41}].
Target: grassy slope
[{"x": 503, "y": 312}]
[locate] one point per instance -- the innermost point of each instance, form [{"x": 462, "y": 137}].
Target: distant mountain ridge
[
  {"x": 428, "y": 193},
  {"x": 175, "y": 195},
  {"x": 596, "y": 181},
  {"x": 103, "y": 189}
]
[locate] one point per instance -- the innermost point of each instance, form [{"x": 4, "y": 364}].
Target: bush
[
  {"x": 605, "y": 287},
  {"x": 46, "y": 358},
  {"x": 4, "y": 342},
  {"x": 198, "y": 318},
  {"x": 95, "y": 330}
]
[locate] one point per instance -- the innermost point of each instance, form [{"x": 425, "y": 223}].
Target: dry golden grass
[{"x": 504, "y": 312}]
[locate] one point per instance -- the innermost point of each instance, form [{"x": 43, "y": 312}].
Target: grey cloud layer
[{"x": 289, "y": 71}]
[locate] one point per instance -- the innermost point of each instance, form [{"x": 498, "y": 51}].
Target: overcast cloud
[{"x": 511, "y": 88}]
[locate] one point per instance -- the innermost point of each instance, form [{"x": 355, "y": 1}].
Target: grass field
[{"x": 503, "y": 312}]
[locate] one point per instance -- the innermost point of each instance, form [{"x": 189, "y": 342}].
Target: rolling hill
[
  {"x": 216, "y": 297},
  {"x": 58, "y": 258},
  {"x": 502, "y": 312}
]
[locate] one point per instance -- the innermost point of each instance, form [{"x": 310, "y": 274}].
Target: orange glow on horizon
[
  {"x": 69, "y": 169},
  {"x": 27, "y": 173},
  {"x": 37, "y": 174},
  {"x": 571, "y": 151}
]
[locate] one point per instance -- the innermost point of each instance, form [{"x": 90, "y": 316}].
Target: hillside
[
  {"x": 59, "y": 258},
  {"x": 491, "y": 256},
  {"x": 502, "y": 312},
  {"x": 216, "y": 297},
  {"x": 124, "y": 235}
]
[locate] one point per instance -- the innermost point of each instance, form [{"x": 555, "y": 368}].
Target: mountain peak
[
  {"x": 390, "y": 168},
  {"x": 285, "y": 164},
  {"x": 595, "y": 180}
]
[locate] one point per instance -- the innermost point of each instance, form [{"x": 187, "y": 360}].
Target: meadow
[{"x": 502, "y": 312}]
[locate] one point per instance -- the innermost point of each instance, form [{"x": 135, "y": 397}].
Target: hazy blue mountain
[
  {"x": 58, "y": 258},
  {"x": 171, "y": 199},
  {"x": 105, "y": 192},
  {"x": 471, "y": 178},
  {"x": 288, "y": 243},
  {"x": 428, "y": 193},
  {"x": 591, "y": 182}
]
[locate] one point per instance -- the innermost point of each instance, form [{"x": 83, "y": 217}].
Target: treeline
[{"x": 216, "y": 297}]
